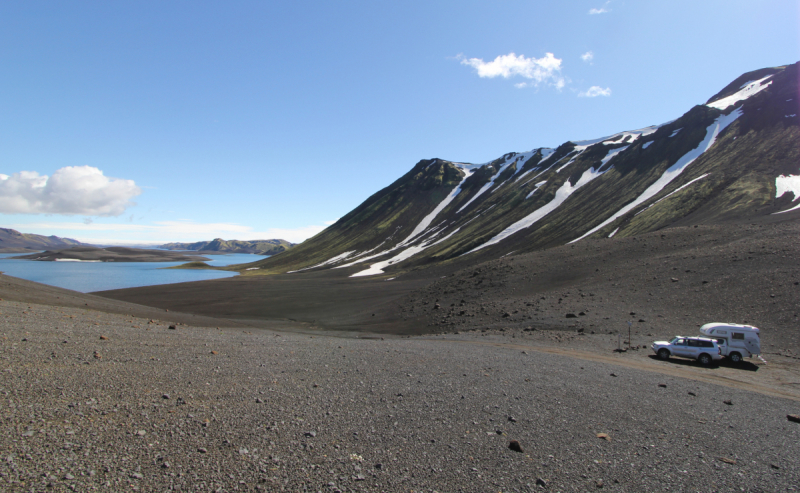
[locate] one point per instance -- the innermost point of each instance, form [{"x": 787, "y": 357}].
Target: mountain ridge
[
  {"x": 260, "y": 247},
  {"x": 720, "y": 161},
  {"x": 12, "y": 241}
]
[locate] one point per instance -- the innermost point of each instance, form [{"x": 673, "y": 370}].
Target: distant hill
[
  {"x": 111, "y": 254},
  {"x": 12, "y": 241},
  {"x": 260, "y": 247}
]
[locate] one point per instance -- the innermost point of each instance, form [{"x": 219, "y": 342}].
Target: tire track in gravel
[{"x": 764, "y": 383}]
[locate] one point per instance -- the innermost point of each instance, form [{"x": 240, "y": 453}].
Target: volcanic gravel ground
[
  {"x": 665, "y": 283},
  {"x": 90, "y": 400}
]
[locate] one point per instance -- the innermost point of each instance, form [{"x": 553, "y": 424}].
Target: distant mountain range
[
  {"x": 733, "y": 158},
  {"x": 12, "y": 241},
  {"x": 260, "y": 247}
]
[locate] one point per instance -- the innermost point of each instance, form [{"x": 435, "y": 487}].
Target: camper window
[{"x": 738, "y": 335}]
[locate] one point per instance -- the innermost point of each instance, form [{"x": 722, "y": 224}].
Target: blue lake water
[{"x": 99, "y": 276}]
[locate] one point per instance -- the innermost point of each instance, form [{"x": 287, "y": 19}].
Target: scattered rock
[
  {"x": 727, "y": 460},
  {"x": 259, "y": 400},
  {"x": 69, "y": 476},
  {"x": 97, "y": 355},
  {"x": 774, "y": 466},
  {"x": 172, "y": 327},
  {"x": 728, "y": 402},
  {"x": 692, "y": 394},
  {"x": 310, "y": 434},
  {"x": 165, "y": 465},
  {"x": 214, "y": 352},
  {"x": 571, "y": 315},
  {"x": 141, "y": 433},
  {"x": 103, "y": 338},
  {"x": 515, "y": 446},
  {"x": 662, "y": 385},
  {"x": 165, "y": 396},
  {"x": 512, "y": 419},
  {"x": 541, "y": 482},
  {"x": 136, "y": 475},
  {"x": 674, "y": 279},
  {"x": 599, "y": 483},
  {"x": 613, "y": 374},
  {"x": 604, "y": 436},
  {"x": 793, "y": 417},
  {"x": 202, "y": 450}
]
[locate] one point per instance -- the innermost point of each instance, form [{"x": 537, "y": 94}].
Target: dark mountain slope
[
  {"x": 12, "y": 241},
  {"x": 719, "y": 162}
]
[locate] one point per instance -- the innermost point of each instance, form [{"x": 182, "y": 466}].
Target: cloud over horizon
[
  {"x": 161, "y": 232},
  {"x": 601, "y": 10},
  {"x": 72, "y": 190},
  {"x": 587, "y": 57},
  {"x": 538, "y": 70},
  {"x": 595, "y": 91}
]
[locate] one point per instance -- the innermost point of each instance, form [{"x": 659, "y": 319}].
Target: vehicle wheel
[
  {"x": 704, "y": 359},
  {"x": 663, "y": 354},
  {"x": 735, "y": 358}
]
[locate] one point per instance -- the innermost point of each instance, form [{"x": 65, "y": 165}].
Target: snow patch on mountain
[
  {"x": 748, "y": 90},
  {"x": 487, "y": 186},
  {"x": 788, "y": 184},
  {"x": 675, "y": 132},
  {"x": 546, "y": 153},
  {"x": 673, "y": 171},
  {"x": 647, "y": 144},
  {"x": 332, "y": 260},
  {"x": 409, "y": 252},
  {"x": 673, "y": 192},
  {"x": 617, "y": 138},
  {"x": 419, "y": 232},
  {"x": 562, "y": 194},
  {"x": 427, "y": 220},
  {"x": 610, "y": 156},
  {"x": 537, "y": 186}
]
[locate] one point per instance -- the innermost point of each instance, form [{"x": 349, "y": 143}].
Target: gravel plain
[{"x": 97, "y": 401}]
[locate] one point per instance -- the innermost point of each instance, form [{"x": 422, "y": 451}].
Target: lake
[{"x": 100, "y": 276}]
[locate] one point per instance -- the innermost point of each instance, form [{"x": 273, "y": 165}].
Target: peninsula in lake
[{"x": 111, "y": 254}]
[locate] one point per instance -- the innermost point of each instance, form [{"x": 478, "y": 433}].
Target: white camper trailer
[{"x": 735, "y": 341}]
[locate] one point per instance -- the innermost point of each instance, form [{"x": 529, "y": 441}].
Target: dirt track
[{"x": 779, "y": 377}]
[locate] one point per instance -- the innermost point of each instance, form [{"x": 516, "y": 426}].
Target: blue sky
[{"x": 148, "y": 122}]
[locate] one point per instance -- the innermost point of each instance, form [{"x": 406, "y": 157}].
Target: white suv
[{"x": 703, "y": 349}]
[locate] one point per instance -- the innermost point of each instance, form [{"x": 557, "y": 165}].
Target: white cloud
[
  {"x": 73, "y": 190},
  {"x": 595, "y": 91},
  {"x": 164, "y": 232},
  {"x": 538, "y": 70},
  {"x": 587, "y": 57},
  {"x": 602, "y": 10}
]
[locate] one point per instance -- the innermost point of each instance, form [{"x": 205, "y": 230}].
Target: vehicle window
[
  {"x": 680, "y": 342},
  {"x": 722, "y": 332},
  {"x": 738, "y": 335},
  {"x": 693, "y": 342},
  {"x": 721, "y": 341},
  {"x": 706, "y": 344}
]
